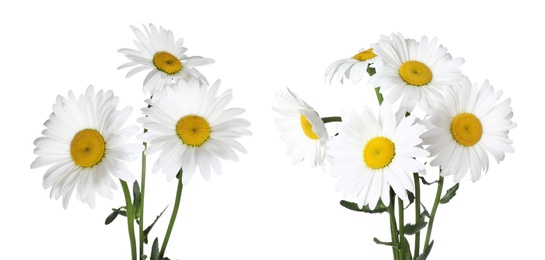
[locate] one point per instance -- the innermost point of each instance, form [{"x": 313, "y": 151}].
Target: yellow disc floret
[
  {"x": 378, "y": 152},
  {"x": 307, "y": 128},
  {"x": 167, "y": 63},
  {"x": 415, "y": 73},
  {"x": 87, "y": 148},
  {"x": 193, "y": 130},
  {"x": 365, "y": 55},
  {"x": 466, "y": 129}
]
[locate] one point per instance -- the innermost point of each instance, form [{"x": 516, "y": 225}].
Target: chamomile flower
[
  {"x": 302, "y": 128},
  {"x": 371, "y": 155},
  {"x": 86, "y": 145},
  {"x": 165, "y": 59},
  {"x": 191, "y": 127},
  {"x": 466, "y": 126},
  {"x": 415, "y": 72},
  {"x": 352, "y": 69}
]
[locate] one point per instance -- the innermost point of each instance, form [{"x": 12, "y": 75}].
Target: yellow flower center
[
  {"x": 415, "y": 73},
  {"x": 87, "y": 148},
  {"x": 193, "y": 130},
  {"x": 167, "y": 62},
  {"x": 466, "y": 129},
  {"x": 378, "y": 152},
  {"x": 307, "y": 128},
  {"x": 365, "y": 55}
]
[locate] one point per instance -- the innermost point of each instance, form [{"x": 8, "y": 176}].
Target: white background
[{"x": 262, "y": 207}]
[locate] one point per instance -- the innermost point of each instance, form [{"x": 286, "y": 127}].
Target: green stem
[
  {"x": 393, "y": 225},
  {"x": 434, "y": 210},
  {"x": 174, "y": 214},
  {"x": 142, "y": 193},
  {"x": 130, "y": 217},
  {"x": 416, "y": 212},
  {"x": 331, "y": 119},
  {"x": 401, "y": 211}
]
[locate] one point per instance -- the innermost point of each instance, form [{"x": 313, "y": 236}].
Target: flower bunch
[
  {"x": 430, "y": 115},
  {"x": 185, "y": 120}
]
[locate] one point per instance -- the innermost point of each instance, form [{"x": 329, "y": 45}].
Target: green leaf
[
  {"x": 407, "y": 248},
  {"x": 155, "y": 250},
  {"x": 425, "y": 212},
  {"x": 384, "y": 243},
  {"x": 427, "y": 183},
  {"x": 137, "y": 200},
  {"x": 411, "y": 199},
  {"x": 148, "y": 229},
  {"x": 354, "y": 206},
  {"x": 411, "y": 229},
  {"x": 450, "y": 194},
  {"x": 426, "y": 252},
  {"x": 113, "y": 215}
]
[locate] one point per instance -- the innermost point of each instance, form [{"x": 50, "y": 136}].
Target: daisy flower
[
  {"x": 352, "y": 68},
  {"x": 371, "y": 155},
  {"x": 191, "y": 127},
  {"x": 86, "y": 146},
  {"x": 302, "y": 128},
  {"x": 165, "y": 59},
  {"x": 416, "y": 72},
  {"x": 466, "y": 126}
]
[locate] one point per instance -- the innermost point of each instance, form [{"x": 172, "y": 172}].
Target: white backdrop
[{"x": 262, "y": 207}]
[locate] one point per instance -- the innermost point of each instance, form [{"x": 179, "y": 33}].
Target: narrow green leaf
[
  {"x": 407, "y": 248},
  {"x": 148, "y": 229},
  {"x": 354, "y": 206},
  {"x": 136, "y": 200},
  {"x": 425, "y": 212},
  {"x": 411, "y": 229},
  {"x": 111, "y": 217},
  {"x": 144, "y": 257},
  {"x": 450, "y": 194},
  {"x": 426, "y": 252},
  {"x": 155, "y": 250},
  {"x": 384, "y": 243},
  {"x": 411, "y": 199},
  {"x": 426, "y": 182}
]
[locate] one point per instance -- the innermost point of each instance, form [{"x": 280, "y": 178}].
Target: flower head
[
  {"x": 416, "y": 72},
  {"x": 352, "y": 68},
  {"x": 192, "y": 128},
  {"x": 85, "y": 143},
  {"x": 466, "y": 126},
  {"x": 302, "y": 128},
  {"x": 165, "y": 59},
  {"x": 371, "y": 155}
]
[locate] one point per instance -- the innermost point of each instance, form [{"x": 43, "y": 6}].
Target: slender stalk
[
  {"x": 434, "y": 211},
  {"x": 174, "y": 214},
  {"x": 401, "y": 211},
  {"x": 331, "y": 119},
  {"x": 379, "y": 95},
  {"x": 416, "y": 212},
  {"x": 142, "y": 193},
  {"x": 393, "y": 225},
  {"x": 130, "y": 218}
]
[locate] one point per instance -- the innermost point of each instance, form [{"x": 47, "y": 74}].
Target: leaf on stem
[
  {"x": 148, "y": 229},
  {"x": 113, "y": 215},
  {"x": 155, "y": 250},
  {"x": 411, "y": 229},
  {"x": 426, "y": 252},
  {"x": 450, "y": 194},
  {"x": 384, "y": 243},
  {"x": 426, "y": 182},
  {"x": 137, "y": 200},
  {"x": 354, "y": 206}
]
